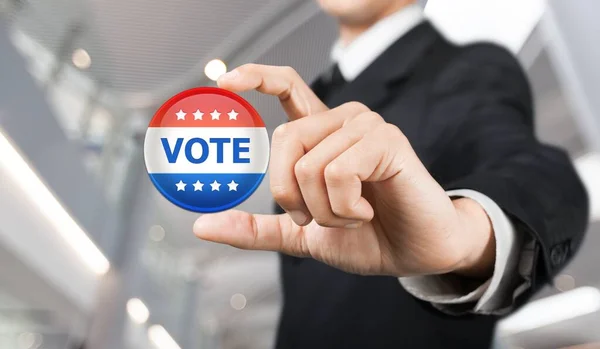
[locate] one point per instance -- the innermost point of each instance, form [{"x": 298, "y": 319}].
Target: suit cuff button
[{"x": 558, "y": 255}]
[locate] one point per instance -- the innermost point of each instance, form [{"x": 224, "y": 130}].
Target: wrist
[{"x": 475, "y": 229}]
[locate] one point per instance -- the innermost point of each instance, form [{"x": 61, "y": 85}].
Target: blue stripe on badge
[{"x": 206, "y": 193}]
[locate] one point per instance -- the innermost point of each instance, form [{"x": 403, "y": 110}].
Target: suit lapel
[{"x": 373, "y": 86}]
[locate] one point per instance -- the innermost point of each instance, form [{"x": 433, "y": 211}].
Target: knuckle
[
  {"x": 304, "y": 169},
  {"x": 369, "y": 117},
  {"x": 395, "y": 138},
  {"x": 334, "y": 173},
  {"x": 364, "y": 118},
  {"x": 359, "y": 107},
  {"x": 397, "y": 133},
  {"x": 282, "y": 194},
  {"x": 289, "y": 70},
  {"x": 281, "y": 133},
  {"x": 391, "y": 130}
]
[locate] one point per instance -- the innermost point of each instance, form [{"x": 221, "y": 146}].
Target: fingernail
[
  {"x": 299, "y": 217},
  {"x": 353, "y": 225},
  {"x": 199, "y": 226},
  {"x": 230, "y": 75}
]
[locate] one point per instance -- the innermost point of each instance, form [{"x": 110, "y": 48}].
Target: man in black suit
[{"x": 411, "y": 176}]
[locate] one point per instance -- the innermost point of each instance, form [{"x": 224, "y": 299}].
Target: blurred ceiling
[{"x": 143, "y": 50}]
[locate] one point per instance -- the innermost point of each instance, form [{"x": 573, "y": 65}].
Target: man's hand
[{"x": 357, "y": 196}]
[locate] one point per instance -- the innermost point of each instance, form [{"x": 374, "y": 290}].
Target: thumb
[
  {"x": 296, "y": 97},
  {"x": 252, "y": 231}
]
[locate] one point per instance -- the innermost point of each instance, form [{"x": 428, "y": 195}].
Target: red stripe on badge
[{"x": 206, "y": 107}]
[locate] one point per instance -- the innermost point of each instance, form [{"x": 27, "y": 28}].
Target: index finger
[{"x": 296, "y": 97}]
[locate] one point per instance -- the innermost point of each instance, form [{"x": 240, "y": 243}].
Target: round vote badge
[{"x": 206, "y": 149}]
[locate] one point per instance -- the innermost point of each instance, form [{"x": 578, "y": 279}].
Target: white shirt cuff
[{"x": 448, "y": 291}]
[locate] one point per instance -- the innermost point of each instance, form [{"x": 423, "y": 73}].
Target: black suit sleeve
[{"x": 490, "y": 147}]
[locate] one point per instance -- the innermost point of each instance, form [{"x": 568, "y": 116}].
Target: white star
[
  {"x": 215, "y": 115},
  {"x": 215, "y": 185},
  {"x": 181, "y": 115},
  {"x": 198, "y": 186},
  {"x": 232, "y": 115},
  {"x": 180, "y": 186},
  {"x": 233, "y": 185},
  {"x": 198, "y": 114}
]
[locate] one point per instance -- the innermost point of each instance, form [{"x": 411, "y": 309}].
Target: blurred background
[{"x": 91, "y": 256}]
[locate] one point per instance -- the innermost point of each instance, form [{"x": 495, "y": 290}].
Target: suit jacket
[{"x": 468, "y": 114}]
